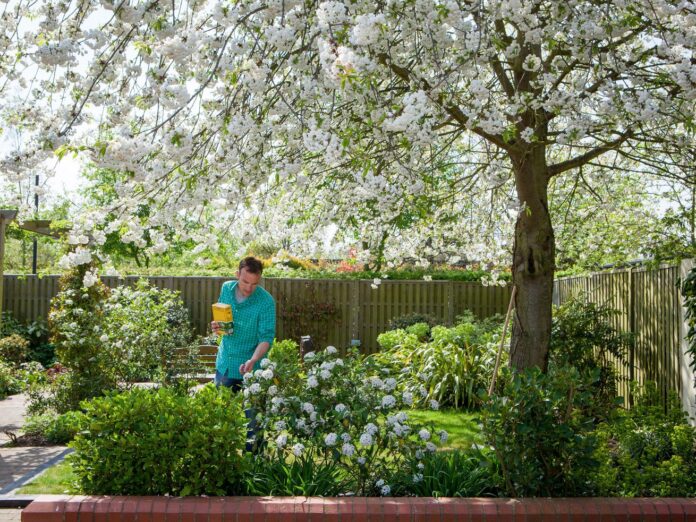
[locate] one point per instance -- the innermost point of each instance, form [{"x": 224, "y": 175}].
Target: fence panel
[
  {"x": 335, "y": 312},
  {"x": 648, "y": 305}
]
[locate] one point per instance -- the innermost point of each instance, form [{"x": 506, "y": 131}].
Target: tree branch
[{"x": 589, "y": 156}]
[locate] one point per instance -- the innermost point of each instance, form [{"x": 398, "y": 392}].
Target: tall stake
[{"x": 502, "y": 340}]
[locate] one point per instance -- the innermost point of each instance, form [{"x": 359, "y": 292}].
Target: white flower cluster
[{"x": 348, "y": 414}]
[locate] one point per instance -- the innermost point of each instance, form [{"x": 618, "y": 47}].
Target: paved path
[
  {"x": 11, "y": 415},
  {"x": 10, "y": 515},
  {"x": 18, "y": 465}
]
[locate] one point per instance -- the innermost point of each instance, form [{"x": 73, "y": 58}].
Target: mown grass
[
  {"x": 56, "y": 480},
  {"x": 461, "y": 426}
]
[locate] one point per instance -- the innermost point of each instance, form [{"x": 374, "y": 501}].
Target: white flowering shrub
[
  {"x": 349, "y": 415},
  {"x": 145, "y": 327},
  {"x": 76, "y": 325}
]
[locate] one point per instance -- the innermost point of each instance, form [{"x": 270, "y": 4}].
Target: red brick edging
[{"x": 58, "y": 508}]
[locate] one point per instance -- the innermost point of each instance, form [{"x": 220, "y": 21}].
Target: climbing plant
[{"x": 689, "y": 293}]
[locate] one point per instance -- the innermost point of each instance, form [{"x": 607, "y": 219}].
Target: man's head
[{"x": 249, "y": 275}]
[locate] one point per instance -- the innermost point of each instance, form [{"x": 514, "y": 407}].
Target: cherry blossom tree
[{"x": 367, "y": 110}]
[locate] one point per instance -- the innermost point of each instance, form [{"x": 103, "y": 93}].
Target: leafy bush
[
  {"x": 688, "y": 291},
  {"x": 472, "y": 473},
  {"x": 146, "y": 325},
  {"x": 55, "y": 429},
  {"x": 305, "y": 475},
  {"x": 9, "y": 384},
  {"x": 162, "y": 442},
  {"x": 36, "y": 332},
  {"x": 285, "y": 355},
  {"x": 346, "y": 421},
  {"x": 404, "y": 321},
  {"x": 582, "y": 336},
  {"x": 14, "y": 349},
  {"x": 541, "y": 434},
  {"x": 451, "y": 368},
  {"x": 648, "y": 452}
]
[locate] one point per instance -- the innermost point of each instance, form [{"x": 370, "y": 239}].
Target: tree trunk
[{"x": 533, "y": 263}]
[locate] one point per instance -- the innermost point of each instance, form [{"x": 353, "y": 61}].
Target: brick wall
[{"x": 55, "y": 508}]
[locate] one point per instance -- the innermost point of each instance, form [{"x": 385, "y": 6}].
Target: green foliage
[
  {"x": 420, "y": 330},
  {"x": 76, "y": 322},
  {"x": 462, "y": 426},
  {"x": 14, "y": 349},
  {"x": 36, "y": 332},
  {"x": 55, "y": 429},
  {"x": 688, "y": 291},
  {"x": 404, "y": 321},
  {"x": 470, "y": 473},
  {"x": 145, "y": 327},
  {"x": 285, "y": 355},
  {"x": 56, "y": 480},
  {"x": 111, "y": 339},
  {"x": 303, "y": 476},
  {"x": 450, "y": 368},
  {"x": 307, "y": 313},
  {"x": 162, "y": 442},
  {"x": 9, "y": 384},
  {"x": 541, "y": 434},
  {"x": 582, "y": 336},
  {"x": 648, "y": 452}
]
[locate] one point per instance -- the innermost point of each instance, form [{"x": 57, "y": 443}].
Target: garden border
[{"x": 61, "y": 508}]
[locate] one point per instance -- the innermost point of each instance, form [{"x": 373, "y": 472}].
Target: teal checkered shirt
[{"x": 254, "y": 322}]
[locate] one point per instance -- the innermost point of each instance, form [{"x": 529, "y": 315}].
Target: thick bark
[{"x": 533, "y": 263}]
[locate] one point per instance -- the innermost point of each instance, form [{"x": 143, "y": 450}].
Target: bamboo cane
[{"x": 502, "y": 341}]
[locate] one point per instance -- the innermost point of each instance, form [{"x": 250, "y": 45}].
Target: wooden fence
[
  {"x": 338, "y": 312},
  {"x": 648, "y": 302}
]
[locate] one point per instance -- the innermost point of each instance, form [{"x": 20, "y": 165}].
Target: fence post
[
  {"x": 688, "y": 393},
  {"x": 632, "y": 329},
  {"x": 355, "y": 310},
  {"x": 450, "y": 303}
]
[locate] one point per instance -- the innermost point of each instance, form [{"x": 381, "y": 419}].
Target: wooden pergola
[{"x": 37, "y": 226}]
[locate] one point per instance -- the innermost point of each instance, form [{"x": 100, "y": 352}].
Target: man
[{"x": 253, "y": 315}]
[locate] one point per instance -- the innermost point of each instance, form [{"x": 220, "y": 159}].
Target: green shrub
[
  {"x": 286, "y": 356},
  {"x": 308, "y": 475},
  {"x": 648, "y": 452},
  {"x": 451, "y": 368},
  {"x": 582, "y": 336},
  {"x": 14, "y": 349},
  {"x": 36, "y": 332},
  {"x": 162, "y": 442},
  {"x": 9, "y": 384},
  {"x": 541, "y": 434},
  {"x": 146, "y": 325},
  {"x": 404, "y": 321},
  {"x": 420, "y": 330},
  {"x": 55, "y": 429},
  {"x": 472, "y": 473}
]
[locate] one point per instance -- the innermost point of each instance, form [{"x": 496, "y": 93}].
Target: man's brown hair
[{"x": 253, "y": 265}]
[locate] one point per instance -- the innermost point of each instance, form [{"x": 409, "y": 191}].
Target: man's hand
[
  {"x": 246, "y": 367},
  {"x": 215, "y": 326}
]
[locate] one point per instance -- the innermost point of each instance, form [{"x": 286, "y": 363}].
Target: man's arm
[{"x": 259, "y": 352}]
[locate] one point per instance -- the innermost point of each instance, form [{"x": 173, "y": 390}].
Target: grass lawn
[
  {"x": 460, "y": 425},
  {"x": 56, "y": 480}
]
